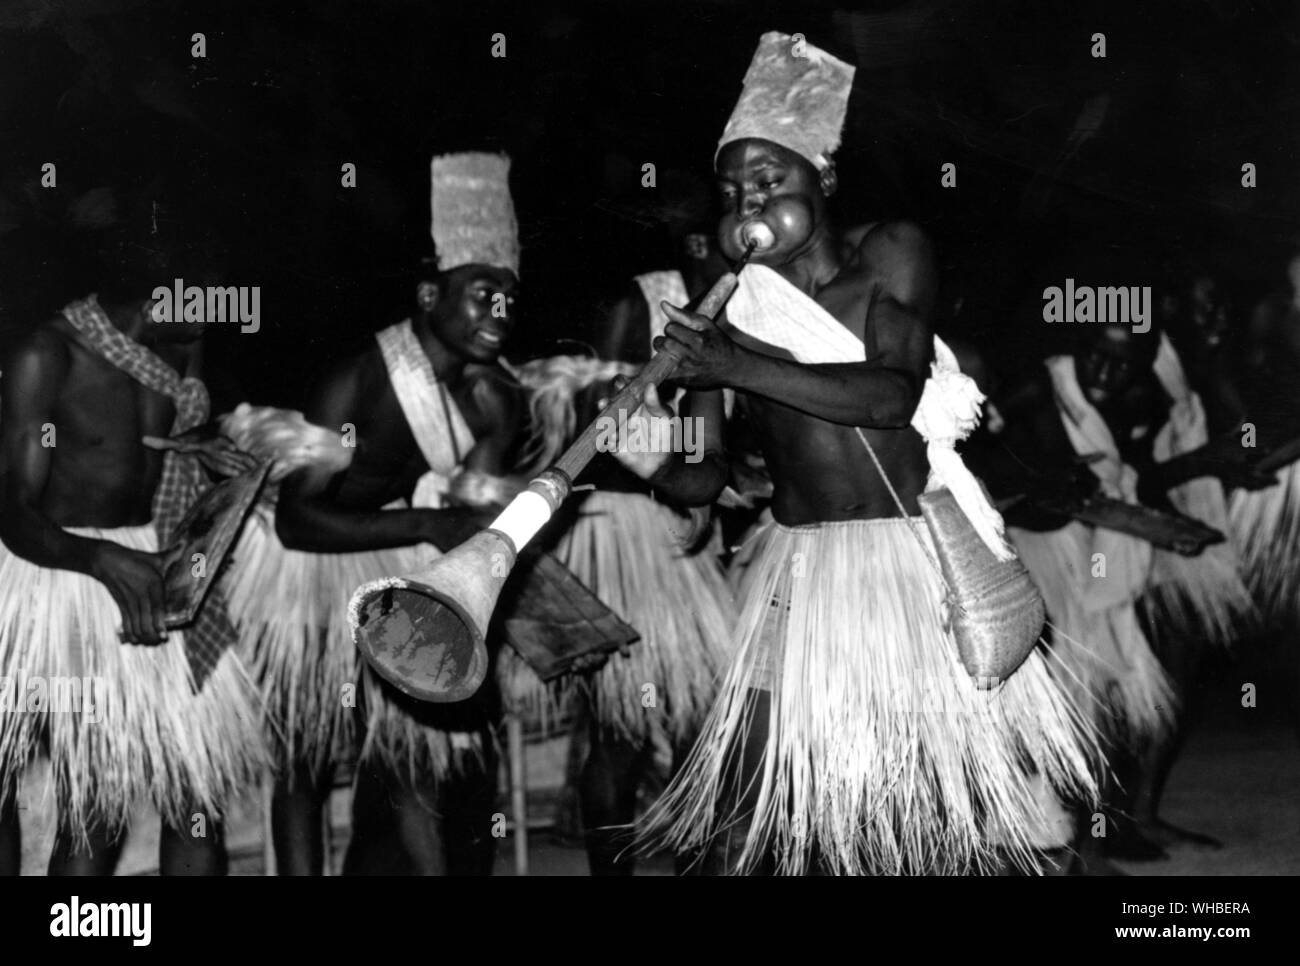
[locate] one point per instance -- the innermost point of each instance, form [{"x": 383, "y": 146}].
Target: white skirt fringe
[
  {"x": 1264, "y": 527},
  {"x": 151, "y": 737},
  {"x": 621, "y": 546},
  {"x": 291, "y": 608},
  {"x": 291, "y": 613},
  {"x": 1102, "y": 655},
  {"x": 1201, "y": 598},
  {"x": 881, "y": 755}
]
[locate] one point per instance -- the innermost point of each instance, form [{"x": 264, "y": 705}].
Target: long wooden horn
[{"x": 425, "y": 632}]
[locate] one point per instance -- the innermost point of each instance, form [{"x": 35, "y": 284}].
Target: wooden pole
[
  {"x": 518, "y": 790},
  {"x": 268, "y": 838},
  {"x": 659, "y": 368}
]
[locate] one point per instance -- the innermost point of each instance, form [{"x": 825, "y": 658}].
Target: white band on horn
[{"x": 520, "y": 521}]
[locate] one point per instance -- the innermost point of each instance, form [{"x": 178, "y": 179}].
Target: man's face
[
  {"x": 1205, "y": 301},
  {"x": 697, "y": 246},
  {"x": 475, "y": 311},
  {"x": 764, "y": 182},
  {"x": 1111, "y": 362},
  {"x": 1209, "y": 310},
  {"x": 1293, "y": 276},
  {"x": 177, "y": 331}
]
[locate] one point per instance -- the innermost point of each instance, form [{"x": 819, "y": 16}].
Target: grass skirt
[
  {"x": 291, "y": 608},
  {"x": 881, "y": 755},
  {"x": 621, "y": 546},
  {"x": 1102, "y": 653},
  {"x": 150, "y": 737},
  {"x": 1201, "y": 598},
  {"x": 293, "y": 625},
  {"x": 1264, "y": 526}
]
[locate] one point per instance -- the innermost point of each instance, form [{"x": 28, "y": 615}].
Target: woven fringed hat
[
  {"x": 473, "y": 215},
  {"x": 795, "y": 95}
]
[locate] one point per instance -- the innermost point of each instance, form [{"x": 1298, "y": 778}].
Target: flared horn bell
[{"x": 425, "y": 633}]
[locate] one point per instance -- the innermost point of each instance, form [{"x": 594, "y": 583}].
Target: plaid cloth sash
[{"x": 182, "y": 478}]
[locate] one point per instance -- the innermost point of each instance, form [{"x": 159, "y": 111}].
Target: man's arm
[
  {"x": 31, "y": 385},
  {"x": 881, "y": 392},
  {"x": 501, "y": 402},
  {"x": 484, "y": 481},
  {"x": 33, "y": 379},
  {"x": 307, "y": 516},
  {"x": 624, "y": 334},
  {"x": 1223, "y": 458},
  {"x": 688, "y": 479}
]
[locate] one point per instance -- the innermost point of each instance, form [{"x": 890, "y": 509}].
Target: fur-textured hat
[
  {"x": 473, "y": 214},
  {"x": 795, "y": 95}
]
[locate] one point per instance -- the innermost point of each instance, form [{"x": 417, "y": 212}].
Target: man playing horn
[{"x": 847, "y": 737}]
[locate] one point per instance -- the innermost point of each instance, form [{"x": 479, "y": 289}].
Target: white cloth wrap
[{"x": 417, "y": 390}]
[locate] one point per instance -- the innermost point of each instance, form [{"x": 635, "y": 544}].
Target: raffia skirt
[
  {"x": 622, "y": 547},
  {"x": 145, "y": 735},
  {"x": 881, "y": 756},
  {"x": 1102, "y": 655},
  {"x": 1264, "y": 527},
  {"x": 291, "y": 609}
]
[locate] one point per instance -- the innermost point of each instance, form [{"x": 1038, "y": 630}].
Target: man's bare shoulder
[
  {"x": 889, "y": 243},
  {"x": 496, "y": 392},
  {"x": 360, "y": 372},
  {"x": 350, "y": 387},
  {"x": 1028, "y": 406},
  {"x": 492, "y": 378},
  {"x": 897, "y": 260},
  {"x": 42, "y": 354}
]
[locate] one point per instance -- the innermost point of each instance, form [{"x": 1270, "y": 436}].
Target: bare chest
[
  {"x": 389, "y": 460},
  {"x": 102, "y": 408}
]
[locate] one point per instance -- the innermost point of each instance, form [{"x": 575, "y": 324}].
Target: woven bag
[{"x": 995, "y": 610}]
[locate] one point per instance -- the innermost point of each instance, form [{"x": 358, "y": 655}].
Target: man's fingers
[
  {"x": 166, "y": 558},
  {"x": 133, "y": 618},
  {"x": 684, "y": 334},
  {"x": 651, "y": 398},
  {"x": 123, "y": 632},
  {"x": 157, "y": 610},
  {"x": 232, "y": 464},
  {"x": 1260, "y": 481},
  {"x": 651, "y": 403},
  {"x": 691, "y": 320},
  {"x": 164, "y": 442}
]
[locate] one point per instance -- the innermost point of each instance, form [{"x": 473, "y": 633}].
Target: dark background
[{"x": 1067, "y": 165}]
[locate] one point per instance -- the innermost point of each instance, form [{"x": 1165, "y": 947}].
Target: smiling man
[
  {"x": 814, "y": 756},
  {"x": 433, "y": 418}
]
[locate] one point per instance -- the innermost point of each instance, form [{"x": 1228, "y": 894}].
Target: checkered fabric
[{"x": 182, "y": 477}]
